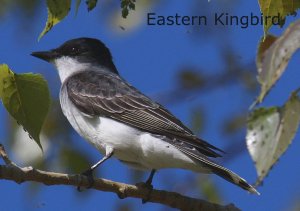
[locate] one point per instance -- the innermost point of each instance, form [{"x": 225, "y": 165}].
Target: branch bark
[{"x": 10, "y": 171}]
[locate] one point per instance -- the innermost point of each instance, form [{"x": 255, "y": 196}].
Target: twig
[
  {"x": 15, "y": 173},
  {"x": 4, "y": 155}
]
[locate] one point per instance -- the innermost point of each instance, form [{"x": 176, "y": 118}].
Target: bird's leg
[
  {"x": 89, "y": 172},
  {"x": 150, "y": 178},
  {"x": 149, "y": 185}
]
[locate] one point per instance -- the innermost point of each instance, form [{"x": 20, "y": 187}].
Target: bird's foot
[
  {"x": 89, "y": 174},
  {"x": 149, "y": 187}
]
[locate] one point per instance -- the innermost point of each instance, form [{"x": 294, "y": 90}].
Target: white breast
[
  {"x": 137, "y": 148},
  {"x": 67, "y": 66}
]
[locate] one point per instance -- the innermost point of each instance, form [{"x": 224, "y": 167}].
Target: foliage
[
  {"x": 91, "y": 4},
  {"x": 127, "y": 5},
  {"x": 267, "y": 145},
  {"x": 26, "y": 98},
  {"x": 270, "y": 132},
  {"x": 271, "y": 8},
  {"x": 273, "y": 57},
  {"x": 58, "y": 10}
]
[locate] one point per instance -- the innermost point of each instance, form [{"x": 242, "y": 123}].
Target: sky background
[{"x": 150, "y": 58}]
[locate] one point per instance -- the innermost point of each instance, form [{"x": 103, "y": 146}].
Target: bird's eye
[{"x": 74, "y": 51}]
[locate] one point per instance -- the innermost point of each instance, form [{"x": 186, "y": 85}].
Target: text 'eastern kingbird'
[{"x": 119, "y": 120}]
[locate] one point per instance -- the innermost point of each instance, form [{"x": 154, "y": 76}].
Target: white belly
[{"x": 137, "y": 148}]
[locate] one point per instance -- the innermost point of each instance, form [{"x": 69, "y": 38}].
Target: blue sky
[{"x": 150, "y": 57}]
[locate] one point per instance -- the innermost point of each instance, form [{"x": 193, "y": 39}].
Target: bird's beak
[{"x": 45, "y": 55}]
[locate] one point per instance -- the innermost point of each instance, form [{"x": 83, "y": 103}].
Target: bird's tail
[
  {"x": 232, "y": 177},
  {"x": 216, "y": 168}
]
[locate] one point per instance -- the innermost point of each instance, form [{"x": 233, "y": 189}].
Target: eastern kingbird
[{"x": 119, "y": 120}]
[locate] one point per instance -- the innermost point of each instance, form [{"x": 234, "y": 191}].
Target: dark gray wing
[{"x": 97, "y": 93}]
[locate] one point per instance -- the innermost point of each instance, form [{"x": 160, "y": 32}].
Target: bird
[{"x": 120, "y": 121}]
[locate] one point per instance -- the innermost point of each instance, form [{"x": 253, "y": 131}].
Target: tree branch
[{"x": 11, "y": 171}]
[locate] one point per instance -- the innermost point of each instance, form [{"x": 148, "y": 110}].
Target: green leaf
[
  {"x": 123, "y": 4},
  {"x": 91, "y": 4},
  {"x": 57, "y": 10},
  {"x": 125, "y": 12},
  {"x": 5, "y": 74},
  {"x": 271, "y": 8},
  {"x": 26, "y": 97},
  {"x": 273, "y": 59},
  {"x": 127, "y": 5},
  {"x": 269, "y": 133},
  {"x": 131, "y": 6}
]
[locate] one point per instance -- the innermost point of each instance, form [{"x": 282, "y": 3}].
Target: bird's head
[{"x": 79, "y": 52}]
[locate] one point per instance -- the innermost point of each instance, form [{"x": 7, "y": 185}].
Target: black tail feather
[{"x": 233, "y": 178}]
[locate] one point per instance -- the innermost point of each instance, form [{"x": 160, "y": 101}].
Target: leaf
[
  {"x": 5, "y": 74},
  {"x": 91, "y": 4},
  {"x": 57, "y": 10},
  {"x": 26, "y": 97},
  {"x": 271, "y": 8},
  {"x": 269, "y": 133},
  {"x": 131, "y": 6},
  {"x": 264, "y": 45},
  {"x": 127, "y": 5},
  {"x": 272, "y": 62},
  {"x": 125, "y": 12}
]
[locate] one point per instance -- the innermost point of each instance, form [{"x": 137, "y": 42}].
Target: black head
[{"x": 85, "y": 50}]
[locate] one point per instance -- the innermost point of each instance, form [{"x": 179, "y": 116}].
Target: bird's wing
[{"x": 97, "y": 93}]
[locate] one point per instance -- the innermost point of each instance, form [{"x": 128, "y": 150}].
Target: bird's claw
[
  {"x": 89, "y": 174},
  {"x": 121, "y": 196},
  {"x": 148, "y": 186}
]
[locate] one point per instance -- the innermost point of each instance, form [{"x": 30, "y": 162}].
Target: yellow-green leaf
[
  {"x": 5, "y": 74},
  {"x": 271, "y": 8},
  {"x": 273, "y": 62},
  {"x": 57, "y": 10},
  {"x": 91, "y": 4},
  {"x": 26, "y": 97},
  {"x": 270, "y": 132}
]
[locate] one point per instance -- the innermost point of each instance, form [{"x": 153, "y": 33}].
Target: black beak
[{"x": 45, "y": 55}]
